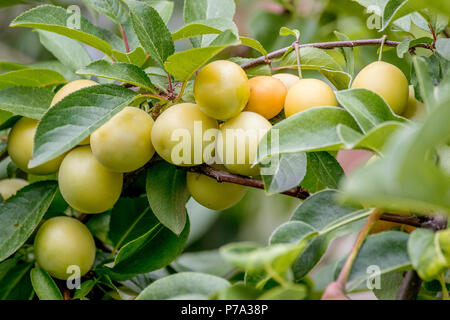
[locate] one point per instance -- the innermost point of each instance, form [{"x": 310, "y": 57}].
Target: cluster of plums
[{"x": 90, "y": 176}]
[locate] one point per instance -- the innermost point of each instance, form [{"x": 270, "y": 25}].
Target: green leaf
[
  {"x": 70, "y": 52},
  {"x": 326, "y": 168},
  {"x": 386, "y": 250},
  {"x": 44, "y": 286},
  {"x": 16, "y": 284},
  {"x": 75, "y": 118},
  {"x": 286, "y": 171},
  {"x": 164, "y": 8},
  {"x": 291, "y": 292},
  {"x": 443, "y": 47},
  {"x": 137, "y": 56},
  {"x": 374, "y": 140},
  {"x": 367, "y": 108},
  {"x": 310, "y": 130},
  {"x": 181, "y": 284},
  {"x": 253, "y": 43},
  {"x": 84, "y": 289},
  {"x": 195, "y": 10},
  {"x": 21, "y": 214},
  {"x": 210, "y": 262},
  {"x": 30, "y": 78},
  {"x": 130, "y": 219},
  {"x": 320, "y": 218},
  {"x": 11, "y": 66},
  {"x": 17, "y": 101},
  {"x": 427, "y": 253},
  {"x": 389, "y": 286},
  {"x": 151, "y": 251},
  {"x": 348, "y": 53},
  {"x": 182, "y": 65},
  {"x": 58, "y": 20},
  {"x": 167, "y": 194},
  {"x": 57, "y": 66},
  {"x": 112, "y": 9},
  {"x": 119, "y": 71},
  {"x": 151, "y": 30},
  {"x": 406, "y": 44},
  {"x": 289, "y": 32},
  {"x": 317, "y": 59}
]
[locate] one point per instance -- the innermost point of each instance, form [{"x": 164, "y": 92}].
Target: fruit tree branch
[{"x": 327, "y": 45}]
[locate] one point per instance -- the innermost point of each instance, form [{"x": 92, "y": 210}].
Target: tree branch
[{"x": 327, "y": 45}]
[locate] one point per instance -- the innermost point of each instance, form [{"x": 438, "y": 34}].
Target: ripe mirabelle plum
[
  {"x": 123, "y": 144},
  {"x": 183, "y": 135},
  {"x": 267, "y": 96},
  {"x": 221, "y": 89},
  {"x": 237, "y": 143},
  {"x": 68, "y": 89},
  {"x": 9, "y": 187},
  {"x": 86, "y": 184},
  {"x": 386, "y": 80},
  {"x": 306, "y": 94},
  {"x": 212, "y": 194},
  {"x": 288, "y": 79},
  {"x": 414, "y": 108},
  {"x": 20, "y": 148},
  {"x": 62, "y": 242}
]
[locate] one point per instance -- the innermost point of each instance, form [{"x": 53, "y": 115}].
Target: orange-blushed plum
[
  {"x": 86, "y": 184},
  {"x": 124, "y": 144},
  {"x": 306, "y": 94},
  {"x": 20, "y": 148},
  {"x": 70, "y": 88},
  {"x": 63, "y": 244},
  {"x": 386, "y": 80},
  {"x": 183, "y": 135},
  {"x": 221, "y": 89},
  {"x": 237, "y": 142},
  {"x": 267, "y": 95},
  {"x": 288, "y": 79},
  {"x": 212, "y": 194},
  {"x": 9, "y": 187}
]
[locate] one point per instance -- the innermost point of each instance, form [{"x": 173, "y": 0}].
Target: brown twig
[{"x": 326, "y": 45}]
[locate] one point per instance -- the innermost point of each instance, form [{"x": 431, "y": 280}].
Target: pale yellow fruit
[
  {"x": 124, "y": 144},
  {"x": 221, "y": 89},
  {"x": 386, "y": 80},
  {"x": 9, "y": 187},
  {"x": 86, "y": 184},
  {"x": 20, "y": 148},
  {"x": 68, "y": 89},
  {"x": 306, "y": 94},
  {"x": 64, "y": 245},
  {"x": 288, "y": 79},
  {"x": 212, "y": 194},
  {"x": 237, "y": 143},
  {"x": 414, "y": 109},
  {"x": 183, "y": 135}
]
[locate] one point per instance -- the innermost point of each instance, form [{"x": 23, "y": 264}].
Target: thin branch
[
  {"x": 224, "y": 176},
  {"x": 327, "y": 45}
]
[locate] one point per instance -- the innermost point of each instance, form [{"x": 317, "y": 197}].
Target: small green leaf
[
  {"x": 183, "y": 284},
  {"x": 348, "y": 53},
  {"x": 167, "y": 194},
  {"x": 30, "y": 78},
  {"x": 289, "y": 32},
  {"x": 151, "y": 30},
  {"x": 210, "y": 262},
  {"x": 136, "y": 57},
  {"x": 119, "y": 71},
  {"x": 443, "y": 47},
  {"x": 286, "y": 171},
  {"x": 326, "y": 168},
  {"x": 75, "y": 118},
  {"x": 21, "y": 214},
  {"x": 112, "y": 9},
  {"x": 44, "y": 286},
  {"x": 253, "y": 43},
  {"x": 182, "y": 65},
  {"x": 17, "y": 101},
  {"x": 84, "y": 289},
  {"x": 291, "y": 292}
]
